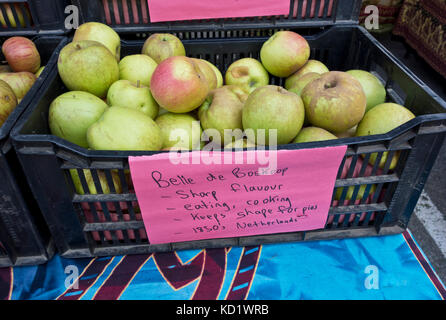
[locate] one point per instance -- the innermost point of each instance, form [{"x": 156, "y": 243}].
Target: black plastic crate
[
  {"x": 129, "y": 17},
  {"x": 32, "y": 17},
  {"x": 24, "y": 236},
  {"x": 110, "y": 224}
]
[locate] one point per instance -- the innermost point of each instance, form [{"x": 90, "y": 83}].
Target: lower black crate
[
  {"x": 382, "y": 196},
  {"x": 24, "y": 236}
]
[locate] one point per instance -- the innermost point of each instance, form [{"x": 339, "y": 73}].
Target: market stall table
[{"x": 370, "y": 268}]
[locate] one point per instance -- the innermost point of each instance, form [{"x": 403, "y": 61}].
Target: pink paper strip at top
[
  {"x": 207, "y": 195},
  {"x": 176, "y": 10}
]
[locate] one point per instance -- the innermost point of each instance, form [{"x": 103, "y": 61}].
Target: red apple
[
  {"x": 21, "y": 54},
  {"x": 179, "y": 85}
]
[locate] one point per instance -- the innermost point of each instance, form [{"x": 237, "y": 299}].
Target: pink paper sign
[
  {"x": 207, "y": 195},
  {"x": 174, "y": 10}
]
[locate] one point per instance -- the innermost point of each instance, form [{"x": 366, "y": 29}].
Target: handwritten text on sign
[
  {"x": 196, "y": 200},
  {"x": 174, "y": 10}
]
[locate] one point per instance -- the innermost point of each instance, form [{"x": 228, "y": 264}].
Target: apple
[
  {"x": 160, "y": 46},
  {"x": 273, "y": 108},
  {"x": 347, "y": 134},
  {"x": 217, "y": 74},
  {"x": 240, "y": 144},
  {"x": 312, "y": 66},
  {"x": 39, "y": 72},
  {"x": 8, "y": 101},
  {"x": 20, "y": 82},
  {"x": 208, "y": 71},
  {"x": 284, "y": 53},
  {"x": 88, "y": 176},
  {"x": 222, "y": 111},
  {"x": 334, "y": 102},
  {"x": 88, "y": 66},
  {"x": 10, "y": 16},
  {"x": 180, "y": 131},
  {"x": 72, "y": 113},
  {"x": 309, "y": 134},
  {"x": 125, "y": 129},
  {"x": 382, "y": 119},
  {"x": 299, "y": 84},
  {"x": 21, "y": 54},
  {"x": 373, "y": 88},
  {"x": 124, "y": 93},
  {"x": 102, "y": 33},
  {"x": 179, "y": 85},
  {"x": 351, "y": 189},
  {"x": 137, "y": 67},
  {"x": 247, "y": 72}
]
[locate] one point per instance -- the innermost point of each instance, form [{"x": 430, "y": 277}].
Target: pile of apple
[
  {"x": 160, "y": 99},
  {"x": 18, "y": 75}
]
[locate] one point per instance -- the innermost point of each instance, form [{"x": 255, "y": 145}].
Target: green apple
[
  {"x": 88, "y": 66},
  {"x": 299, "y": 84},
  {"x": 20, "y": 82},
  {"x": 272, "y": 111},
  {"x": 137, "y": 67},
  {"x": 180, "y": 131},
  {"x": 124, "y": 93},
  {"x": 382, "y": 119},
  {"x": 72, "y": 113},
  {"x": 240, "y": 144},
  {"x": 217, "y": 74},
  {"x": 88, "y": 176},
  {"x": 125, "y": 129},
  {"x": 284, "y": 53},
  {"x": 335, "y": 101},
  {"x": 102, "y": 33},
  {"x": 373, "y": 88},
  {"x": 222, "y": 111},
  {"x": 160, "y": 46},
  {"x": 39, "y": 72},
  {"x": 247, "y": 72},
  {"x": 309, "y": 134},
  {"x": 8, "y": 101},
  {"x": 312, "y": 66}
]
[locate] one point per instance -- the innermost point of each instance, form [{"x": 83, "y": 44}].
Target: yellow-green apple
[
  {"x": 124, "y": 93},
  {"x": 72, "y": 113},
  {"x": 160, "y": 46},
  {"x": 299, "y": 84},
  {"x": 349, "y": 193},
  {"x": 309, "y": 134},
  {"x": 347, "y": 134},
  {"x": 8, "y": 101},
  {"x": 382, "y": 119},
  {"x": 102, "y": 33},
  {"x": 20, "y": 82},
  {"x": 180, "y": 131},
  {"x": 247, "y": 72},
  {"x": 88, "y": 66},
  {"x": 39, "y": 72},
  {"x": 284, "y": 53},
  {"x": 137, "y": 67},
  {"x": 10, "y": 16},
  {"x": 273, "y": 111},
  {"x": 222, "y": 111},
  {"x": 21, "y": 54},
  {"x": 312, "y": 66},
  {"x": 209, "y": 73},
  {"x": 373, "y": 88},
  {"x": 179, "y": 85},
  {"x": 334, "y": 102},
  {"x": 88, "y": 176},
  {"x": 240, "y": 144},
  {"x": 217, "y": 74},
  {"x": 125, "y": 129}
]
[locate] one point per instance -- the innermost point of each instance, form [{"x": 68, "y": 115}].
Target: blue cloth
[{"x": 385, "y": 267}]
